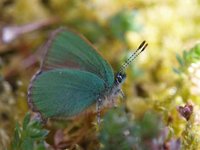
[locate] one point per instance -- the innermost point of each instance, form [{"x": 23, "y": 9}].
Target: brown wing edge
[
  {"x": 46, "y": 46},
  {"x": 30, "y": 101}
]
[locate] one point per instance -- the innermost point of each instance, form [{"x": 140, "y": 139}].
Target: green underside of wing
[
  {"x": 69, "y": 50},
  {"x": 65, "y": 92}
]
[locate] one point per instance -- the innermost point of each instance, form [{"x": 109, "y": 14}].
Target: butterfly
[{"x": 73, "y": 76}]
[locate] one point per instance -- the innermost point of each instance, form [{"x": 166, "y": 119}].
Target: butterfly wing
[
  {"x": 65, "y": 49},
  {"x": 64, "y": 92}
]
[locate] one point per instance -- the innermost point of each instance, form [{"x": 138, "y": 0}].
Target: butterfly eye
[{"x": 120, "y": 77}]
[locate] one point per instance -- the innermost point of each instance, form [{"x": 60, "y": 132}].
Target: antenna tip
[
  {"x": 141, "y": 45},
  {"x": 144, "y": 47}
]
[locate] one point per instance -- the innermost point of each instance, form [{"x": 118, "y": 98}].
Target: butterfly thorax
[{"x": 111, "y": 94}]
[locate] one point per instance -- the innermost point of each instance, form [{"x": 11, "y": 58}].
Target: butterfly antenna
[{"x": 139, "y": 50}]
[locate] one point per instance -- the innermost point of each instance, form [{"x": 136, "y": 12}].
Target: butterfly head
[{"x": 120, "y": 77}]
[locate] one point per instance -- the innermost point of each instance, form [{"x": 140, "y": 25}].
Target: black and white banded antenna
[{"x": 139, "y": 50}]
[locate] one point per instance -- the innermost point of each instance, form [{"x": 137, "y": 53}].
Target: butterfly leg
[
  {"x": 113, "y": 103},
  {"x": 122, "y": 95},
  {"x": 99, "y": 104}
]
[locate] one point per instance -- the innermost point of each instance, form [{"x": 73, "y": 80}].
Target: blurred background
[{"x": 161, "y": 110}]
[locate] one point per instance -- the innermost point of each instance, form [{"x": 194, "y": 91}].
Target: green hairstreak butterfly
[{"x": 73, "y": 76}]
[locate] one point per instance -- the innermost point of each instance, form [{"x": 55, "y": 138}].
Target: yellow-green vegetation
[{"x": 162, "y": 105}]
